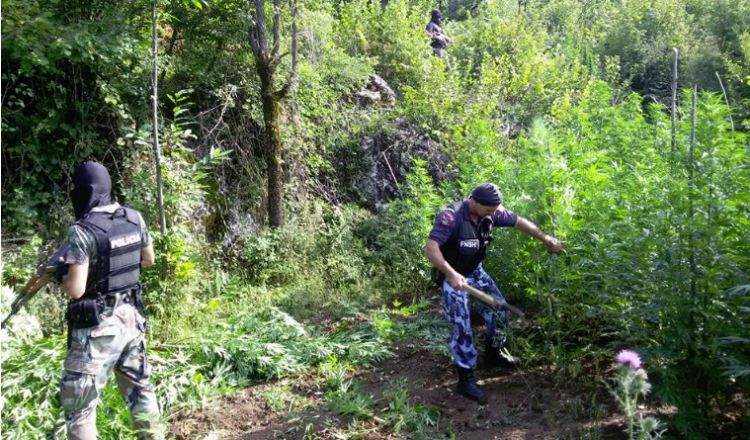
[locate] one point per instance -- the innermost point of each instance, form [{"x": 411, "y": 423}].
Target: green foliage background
[{"x": 564, "y": 104}]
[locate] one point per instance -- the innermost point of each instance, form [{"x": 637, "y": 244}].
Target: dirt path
[{"x": 524, "y": 404}]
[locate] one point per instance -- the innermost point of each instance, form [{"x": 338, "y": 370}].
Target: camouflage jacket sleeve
[
  {"x": 82, "y": 246},
  {"x": 145, "y": 236}
]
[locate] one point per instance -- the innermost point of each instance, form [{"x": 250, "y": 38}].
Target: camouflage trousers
[
  {"x": 456, "y": 309},
  {"x": 118, "y": 343}
]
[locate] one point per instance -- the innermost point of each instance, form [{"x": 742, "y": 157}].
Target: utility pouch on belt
[{"x": 84, "y": 313}]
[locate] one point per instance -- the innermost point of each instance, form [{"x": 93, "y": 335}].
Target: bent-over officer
[{"x": 456, "y": 247}]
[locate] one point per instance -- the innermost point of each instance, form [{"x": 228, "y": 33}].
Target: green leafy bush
[{"x": 397, "y": 236}]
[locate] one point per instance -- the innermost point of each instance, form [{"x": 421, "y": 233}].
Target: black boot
[
  {"x": 467, "y": 385},
  {"x": 496, "y": 357}
]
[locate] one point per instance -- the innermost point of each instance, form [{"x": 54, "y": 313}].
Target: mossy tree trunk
[
  {"x": 272, "y": 137},
  {"x": 266, "y": 61}
]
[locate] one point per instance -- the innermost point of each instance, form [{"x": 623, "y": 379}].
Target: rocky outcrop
[
  {"x": 374, "y": 172},
  {"x": 377, "y": 91}
]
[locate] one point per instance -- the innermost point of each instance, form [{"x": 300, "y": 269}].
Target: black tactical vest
[
  {"x": 466, "y": 250},
  {"x": 118, "y": 263}
]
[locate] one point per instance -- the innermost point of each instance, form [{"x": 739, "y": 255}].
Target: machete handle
[{"x": 491, "y": 301}]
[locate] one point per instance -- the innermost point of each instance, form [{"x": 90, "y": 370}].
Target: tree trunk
[
  {"x": 266, "y": 60},
  {"x": 157, "y": 151},
  {"x": 272, "y": 118}
]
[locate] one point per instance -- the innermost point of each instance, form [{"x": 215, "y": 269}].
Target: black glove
[{"x": 60, "y": 271}]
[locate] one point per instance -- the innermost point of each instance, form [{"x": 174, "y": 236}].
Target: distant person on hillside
[
  {"x": 109, "y": 244},
  {"x": 439, "y": 41},
  {"x": 456, "y": 247}
]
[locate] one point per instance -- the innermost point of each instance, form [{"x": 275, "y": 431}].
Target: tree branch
[
  {"x": 258, "y": 30},
  {"x": 283, "y": 92},
  {"x": 276, "y": 28},
  {"x": 294, "y": 38}
]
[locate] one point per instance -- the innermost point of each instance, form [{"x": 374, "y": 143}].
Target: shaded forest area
[{"x": 305, "y": 148}]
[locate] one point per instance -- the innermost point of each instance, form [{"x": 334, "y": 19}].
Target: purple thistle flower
[{"x": 630, "y": 358}]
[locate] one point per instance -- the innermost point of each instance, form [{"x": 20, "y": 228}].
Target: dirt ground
[{"x": 523, "y": 404}]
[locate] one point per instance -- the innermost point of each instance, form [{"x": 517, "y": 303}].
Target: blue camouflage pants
[
  {"x": 116, "y": 344},
  {"x": 456, "y": 309}
]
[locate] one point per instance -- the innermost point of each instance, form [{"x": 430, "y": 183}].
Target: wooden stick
[
  {"x": 491, "y": 301},
  {"x": 16, "y": 240},
  {"x": 673, "y": 116},
  {"x": 726, "y": 100}
]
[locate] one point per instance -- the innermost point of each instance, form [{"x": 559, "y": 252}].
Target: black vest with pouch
[
  {"x": 118, "y": 264},
  {"x": 467, "y": 249}
]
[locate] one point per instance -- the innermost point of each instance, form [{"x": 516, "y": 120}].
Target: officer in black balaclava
[
  {"x": 108, "y": 246},
  {"x": 439, "y": 41},
  {"x": 436, "y": 16},
  {"x": 92, "y": 187}
]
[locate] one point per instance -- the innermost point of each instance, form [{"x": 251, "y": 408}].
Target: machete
[{"x": 490, "y": 301}]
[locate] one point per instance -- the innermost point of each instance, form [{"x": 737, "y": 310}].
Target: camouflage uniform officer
[
  {"x": 456, "y": 247},
  {"x": 108, "y": 246}
]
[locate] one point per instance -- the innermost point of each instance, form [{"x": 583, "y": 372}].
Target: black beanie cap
[{"x": 487, "y": 194}]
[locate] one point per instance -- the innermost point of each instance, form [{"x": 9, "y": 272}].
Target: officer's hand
[
  {"x": 61, "y": 270},
  {"x": 555, "y": 246},
  {"x": 457, "y": 281}
]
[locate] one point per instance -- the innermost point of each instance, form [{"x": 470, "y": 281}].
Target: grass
[
  {"x": 221, "y": 354},
  {"x": 351, "y": 400}
]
